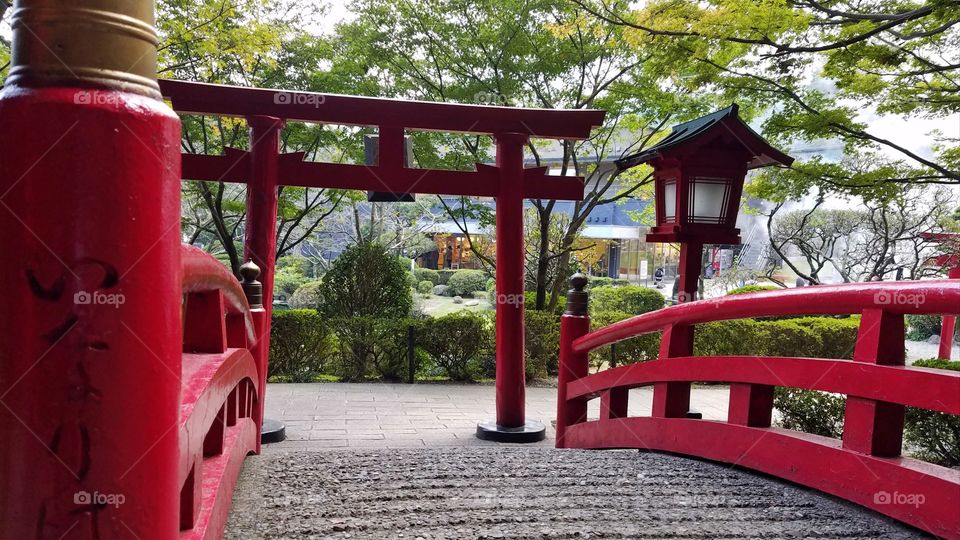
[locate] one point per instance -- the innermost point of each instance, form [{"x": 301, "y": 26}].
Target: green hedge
[
  {"x": 753, "y": 288},
  {"x": 371, "y": 347},
  {"x": 542, "y": 336},
  {"x": 300, "y": 345},
  {"x": 630, "y": 351},
  {"x": 427, "y": 274},
  {"x": 444, "y": 276},
  {"x": 425, "y": 287},
  {"x": 816, "y": 337},
  {"x": 457, "y": 343},
  {"x": 631, "y": 299},
  {"x": 595, "y": 282},
  {"x": 466, "y": 282}
]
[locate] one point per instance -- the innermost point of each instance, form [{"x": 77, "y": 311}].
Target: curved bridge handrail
[
  {"x": 907, "y": 298},
  {"x": 864, "y": 465},
  {"x": 925, "y": 388},
  {"x": 201, "y": 272}
]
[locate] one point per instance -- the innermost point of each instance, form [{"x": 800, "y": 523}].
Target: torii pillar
[
  {"x": 951, "y": 261},
  {"x": 511, "y": 424}
]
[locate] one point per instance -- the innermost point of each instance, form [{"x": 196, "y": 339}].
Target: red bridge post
[
  {"x": 91, "y": 357},
  {"x": 574, "y": 323},
  {"x": 511, "y": 424}
]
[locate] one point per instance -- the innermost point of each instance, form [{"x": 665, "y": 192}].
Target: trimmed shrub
[
  {"x": 752, "y": 288},
  {"x": 810, "y": 411},
  {"x": 445, "y": 275},
  {"x": 366, "y": 281},
  {"x": 464, "y": 282},
  {"x": 818, "y": 337},
  {"x": 425, "y": 287},
  {"x": 638, "y": 349},
  {"x": 542, "y": 336},
  {"x": 300, "y": 345},
  {"x": 594, "y": 282},
  {"x": 441, "y": 290},
  {"x": 427, "y": 274},
  {"x": 729, "y": 338},
  {"x": 457, "y": 343},
  {"x": 307, "y": 296},
  {"x": 371, "y": 346},
  {"x": 838, "y": 337},
  {"x": 930, "y": 435},
  {"x": 787, "y": 338},
  {"x": 632, "y": 299}
]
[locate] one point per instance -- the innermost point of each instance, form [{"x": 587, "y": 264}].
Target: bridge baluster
[
  {"x": 672, "y": 399},
  {"x": 871, "y": 426},
  {"x": 750, "y": 405}
]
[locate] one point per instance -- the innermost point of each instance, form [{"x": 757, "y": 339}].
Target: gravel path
[{"x": 530, "y": 493}]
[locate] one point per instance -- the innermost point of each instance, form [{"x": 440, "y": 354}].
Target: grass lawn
[{"x": 438, "y": 306}]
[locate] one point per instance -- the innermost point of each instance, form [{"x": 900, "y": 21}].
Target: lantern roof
[{"x": 763, "y": 154}]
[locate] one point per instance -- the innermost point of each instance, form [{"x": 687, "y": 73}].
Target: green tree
[
  {"x": 366, "y": 281},
  {"x": 816, "y": 67},
  {"x": 534, "y": 53},
  {"x": 256, "y": 43}
]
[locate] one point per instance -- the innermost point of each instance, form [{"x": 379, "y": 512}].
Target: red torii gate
[{"x": 263, "y": 169}]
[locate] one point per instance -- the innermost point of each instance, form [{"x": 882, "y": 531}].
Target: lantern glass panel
[
  {"x": 670, "y": 200},
  {"x": 709, "y": 198}
]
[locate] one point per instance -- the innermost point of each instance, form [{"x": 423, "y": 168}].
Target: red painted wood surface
[
  {"x": 510, "y": 282},
  {"x": 220, "y": 398},
  {"x": 201, "y": 98},
  {"x": 234, "y": 166},
  {"x": 90, "y": 325},
  {"x": 865, "y": 467}
]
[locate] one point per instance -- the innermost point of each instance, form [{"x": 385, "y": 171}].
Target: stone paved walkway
[
  {"x": 528, "y": 493},
  {"x": 324, "y": 416}
]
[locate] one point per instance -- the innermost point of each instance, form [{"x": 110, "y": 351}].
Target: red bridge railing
[
  {"x": 223, "y": 374},
  {"x": 865, "y": 467}
]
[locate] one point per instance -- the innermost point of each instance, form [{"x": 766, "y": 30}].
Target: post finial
[
  {"x": 249, "y": 271},
  {"x": 577, "y": 297}
]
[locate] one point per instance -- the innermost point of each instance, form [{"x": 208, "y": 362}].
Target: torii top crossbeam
[{"x": 392, "y": 117}]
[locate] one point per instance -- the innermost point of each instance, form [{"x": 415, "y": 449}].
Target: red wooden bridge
[{"x": 132, "y": 372}]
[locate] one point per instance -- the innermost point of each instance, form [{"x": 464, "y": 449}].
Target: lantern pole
[
  {"x": 91, "y": 329},
  {"x": 511, "y": 424}
]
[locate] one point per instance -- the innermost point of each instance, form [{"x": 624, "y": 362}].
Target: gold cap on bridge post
[{"x": 87, "y": 43}]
